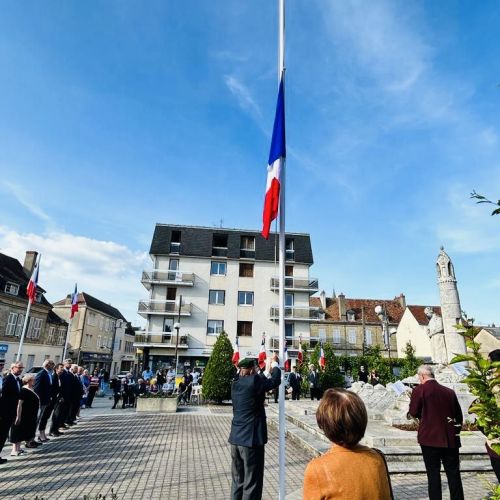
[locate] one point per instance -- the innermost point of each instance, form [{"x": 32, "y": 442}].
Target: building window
[
  {"x": 289, "y": 271},
  {"x": 368, "y": 337},
  {"x": 322, "y": 335},
  {"x": 173, "y": 265},
  {"x": 38, "y": 296},
  {"x": 52, "y": 332},
  {"x": 20, "y": 323},
  {"x": 289, "y": 300},
  {"x": 62, "y": 336},
  {"x": 30, "y": 362},
  {"x": 216, "y": 297},
  {"x": 218, "y": 268},
  {"x": 12, "y": 288},
  {"x": 352, "y": 336},
  {"x": 168, "y": 325},
  {"x": 245, "y": 298},
  {"x": 34, "y": 328},
  {"x": 11, "y": 324},
  {"x": 289, "y": 330},
  {"x": 247, "y": 247},
  {"x": 246, "y": 270},
  {"x": 289, "y": 249},
  {"x": 351, "y": 316},
  {"x": 99, "y": 341},
  {"x": 219, "y": 245},
  {"x": 215, "y": 326},
  {"x": 92, "y": 319},
  {"x": 175, "y": 242},
  {"x": 336, "y": 336},
  {"x": 244, "y": 329}
]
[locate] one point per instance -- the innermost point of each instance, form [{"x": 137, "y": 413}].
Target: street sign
[{"x": 4, "y": 348}]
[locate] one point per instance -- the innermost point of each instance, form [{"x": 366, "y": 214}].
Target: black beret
[{"x": 246, "y": 363}]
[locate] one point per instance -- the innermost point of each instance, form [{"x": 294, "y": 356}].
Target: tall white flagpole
[
  {"x": 281, "y": 75},
  {"x": 67, "y": 337}
]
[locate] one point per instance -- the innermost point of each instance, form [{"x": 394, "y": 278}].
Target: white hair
[
  {"x": 426, "y": 371},
  {"x": 28, "y": 377}
]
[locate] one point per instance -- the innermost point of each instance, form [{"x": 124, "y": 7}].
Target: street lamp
[{"x": 386, "y": 331}]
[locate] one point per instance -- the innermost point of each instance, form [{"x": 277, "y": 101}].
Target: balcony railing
[
  {"x": 219, "y": 251},
  {"x": 161, "y": 340},
  {"x": 298, "y": 313},
  {"x": 157, "y": 277},
  {"x": 163, "y": 308},
  {"x": 296, "y": 284}
]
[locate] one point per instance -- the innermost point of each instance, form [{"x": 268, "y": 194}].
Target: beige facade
[{"x": 489, "y": 338}]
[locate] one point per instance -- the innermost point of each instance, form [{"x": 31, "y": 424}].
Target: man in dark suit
[
  {"x": 249, "y": 428},
  {"x": 441, "y": 419},
  {"x": 314, "y": 386},
  {"x": 43, "y": 388},
  {"x": 295, "y": 380},
  {"x": 11, "y": 388},
  {"x": 60, "y": 407}
]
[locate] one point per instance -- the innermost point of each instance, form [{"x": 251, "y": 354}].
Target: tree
[
  {"x": 483, "y": 199},
  {"x": 330, "y": 376},
  {"x": 376, "y": 362},
  {"x": 220, "y": 371},
  {"x": 304, "y": 368},
  {"x": 410, "y": 362}
]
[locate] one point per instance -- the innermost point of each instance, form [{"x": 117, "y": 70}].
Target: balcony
[
  {"x": 309, "y": 285},
  {"x": 219, "y": 251},
  {"x": 175, "y": 278},
  {"x": 163, "y": 308},
  {"x": 298, "y": 313},
  {"x": 154, "y": 339}
]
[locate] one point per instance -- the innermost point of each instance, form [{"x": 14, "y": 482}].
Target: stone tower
[{"x": 450, "y": 305}]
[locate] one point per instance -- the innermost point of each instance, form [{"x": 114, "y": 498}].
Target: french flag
[
  {"x": 322, "y": 361},
  {"x": 262, "y": 354},
  {"x": 236, "y": 353},
  {"x": 33, "y": 283},
  {"x": 74, "y": 303},
  {"x": 300, "y": 355},
  {"x": 288, "y": 363},
  {"x": 276, "y": 155}
]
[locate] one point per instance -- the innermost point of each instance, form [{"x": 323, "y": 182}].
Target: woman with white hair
[{"x": 24, "y": 428}]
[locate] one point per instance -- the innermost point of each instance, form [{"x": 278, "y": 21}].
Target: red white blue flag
[
  {"x": 74, "y": 303},
  {"x": 33, "y": 283},
  {"x": 322, "y": 361},
  {"x": 262, "y": 353},
  {"x": 236, "y": 352},
  {"x": 287, "y": 361},
  {"x": 276, "y": 155},
  {"x": 300, "y": 354}
]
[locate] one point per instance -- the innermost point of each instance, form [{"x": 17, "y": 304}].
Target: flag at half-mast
[
  {"x": 74, "y": 303},
  {"x": 300, "y": 354},
  {"x": 33, "y": 283},
  {"x": 236, "y": 352},
  {"x": 274, "y": 168},
  {"x": 262, "y": 354}
]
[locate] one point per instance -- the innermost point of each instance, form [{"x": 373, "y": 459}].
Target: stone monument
[{"x": 435, "y": 332}]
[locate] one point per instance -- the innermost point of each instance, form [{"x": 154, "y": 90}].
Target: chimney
[
  {"x": 342, "y": 307},
  {"x": 29, "y": 262},
  {"x": 402, "y": 300},
  {"x": 322, "y": 298}
]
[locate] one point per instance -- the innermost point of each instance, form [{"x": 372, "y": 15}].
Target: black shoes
[{"x": 55, "y": 434}]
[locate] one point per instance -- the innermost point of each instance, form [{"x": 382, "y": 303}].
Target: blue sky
[{"x": 116, "y": 115}]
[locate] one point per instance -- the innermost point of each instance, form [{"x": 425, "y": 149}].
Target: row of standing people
[{"x": 27, "y": 404}]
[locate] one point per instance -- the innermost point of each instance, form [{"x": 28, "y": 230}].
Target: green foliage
[
  {"x": 220, "y": 371},
  {"x": 483, "y": 382},
  {"x": 330, "y": 376},
  {"x": 381, "y": 365},
  {"x": 482, "y": 199},
  {"x": 304, "y": 368},
  {"x": 410, "y": 362}
]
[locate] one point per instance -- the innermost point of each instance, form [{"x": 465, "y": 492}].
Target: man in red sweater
[{"x": 441, "y": 419}]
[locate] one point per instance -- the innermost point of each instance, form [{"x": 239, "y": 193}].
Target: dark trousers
[
  {"x": 116, "y": 397},
  {"x": 91, "y": 395},
  {"x": 44, "y": 415},
  {"x": 6, "y": 422},
  {"x": 495, "y": 463},
  {"x": 59, "y": 415},
  {"x": 315, "y": 393},
  {"x": 247, "y": 472},
  {"x": 74, "y": 406},
  {"x": 295, "y": 393},
  {"x": 449, "y": 457}
]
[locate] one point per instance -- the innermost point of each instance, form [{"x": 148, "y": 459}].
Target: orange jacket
[{"x": 341, "y": 473}]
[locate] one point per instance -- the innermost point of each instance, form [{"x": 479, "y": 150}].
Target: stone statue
[{"x": 435, "y": 332}]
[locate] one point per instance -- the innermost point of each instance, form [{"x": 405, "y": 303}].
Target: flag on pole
[
  {"x": 276, "y": 155},
  {"x": 236, "y": 352},
  {"x": 322, "y": 361},
  {"x": 33, "y": 283},
  {"x": 262, "y": 353},
  {"x": 74, "y": 303},
  {"x": 287, "y": 361},
  {"x": 300, "y": 355}
]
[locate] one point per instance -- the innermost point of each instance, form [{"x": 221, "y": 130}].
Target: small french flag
[
  {"x": 33, "y": 283},
  {"x": 236, "y": 352},
  {"x": 287, "y": 362},
  {"x": 262, "y": 353},
  {"x": 74, "y": 303},
  {"x": 300, "y": 354},
  {"x": 322, "y": 361}
]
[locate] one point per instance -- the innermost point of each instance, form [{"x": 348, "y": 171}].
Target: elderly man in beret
[{"x": 249, "y": 428}]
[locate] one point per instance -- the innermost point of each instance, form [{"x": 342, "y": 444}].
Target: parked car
[{"x": 35, "y": 369}]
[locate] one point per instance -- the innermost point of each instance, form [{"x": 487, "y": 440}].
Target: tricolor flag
[
  {"x": 74, "y": 303},
  {"x": 300, "y": 355},
  {"x": 322, "y": 360},
  {"x": 236, "y": 352},
  {"x": 262, "y": 354},
  {"x": 33, "y": 283},
  {"x": 276, "y": 155},
  {"x": 287, "y": 362}
]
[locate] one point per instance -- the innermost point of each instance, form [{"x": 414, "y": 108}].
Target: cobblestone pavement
[{"x": 184, "y": 456}]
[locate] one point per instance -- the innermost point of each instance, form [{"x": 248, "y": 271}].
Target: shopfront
[{"x": 93, "y": 360}]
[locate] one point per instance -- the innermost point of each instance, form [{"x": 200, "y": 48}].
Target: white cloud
[
  {"x": 106, "y": 270},
  {"x": 243, "y": 95}
]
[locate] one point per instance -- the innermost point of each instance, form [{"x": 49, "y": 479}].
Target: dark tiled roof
[
  {"x": 359, "y": 306},
  {"x": 56, "y": 319},
  {"x": 98, "y": 305},
  {"x": 197, "y": 242},
  {"x": 419, "y": 314},
  {"x": 495, "y": 331}
]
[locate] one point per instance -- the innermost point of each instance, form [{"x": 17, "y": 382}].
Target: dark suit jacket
[
  {"x": 67, "y": 380},
  {"x": 43, "y": 387},
  {"x": 10, "y": 396},
  {"x": 294, "y": 380},
  {"x": 440, "y": 415},
  {"x": 313, "y": 379},
  {"x": 249, "y": 427}
]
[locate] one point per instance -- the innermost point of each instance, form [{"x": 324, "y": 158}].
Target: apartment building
[
  {"x": 94, "y": 330},
  {"x": 46, "y": 331},
  {"x": 228, "y": 280},
  {"x": 352, "y": 325}
]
